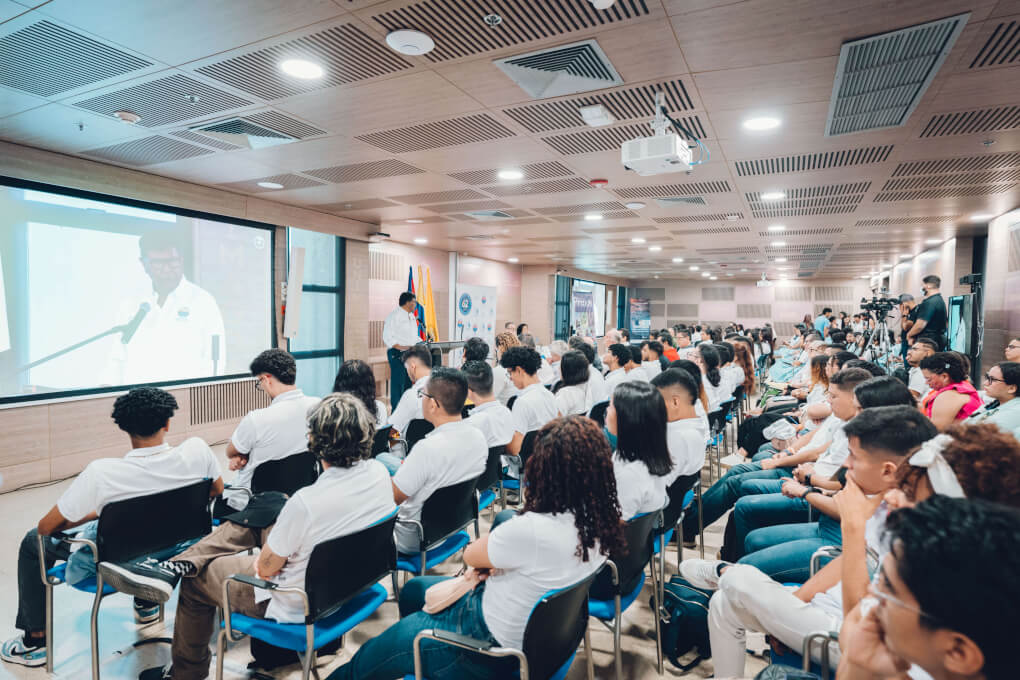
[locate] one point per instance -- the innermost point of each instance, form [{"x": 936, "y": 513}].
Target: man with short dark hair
[
  {"x": 453, "y": 452},
  {"x": 150, "y": 467},
  {"x": 823, "y": 321},
  {"x": 683, "y": 343},
  {"x": 635, "y": 371},
  {"x": 651, "y": 350},
  {"x": 921, "y": 349},
  {"x": 932, "y": 318},
  {"x": 417, "y": 363},
  {"x": 535, "y": 406},
  {"x": 477, "y": 349},
  {"x": 400, "y": 333},
  {"x": 488, "y": 415},
  {"x": 685, "y": 435},
  {"x": 615, "y": 359}
]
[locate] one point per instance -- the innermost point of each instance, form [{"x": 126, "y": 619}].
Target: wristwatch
[{"x": 810, "y": 489}]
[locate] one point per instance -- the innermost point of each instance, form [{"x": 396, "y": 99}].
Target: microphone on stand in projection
[
  {"x": 215, "y": 354},
  {"x": 131, "y": 327}
]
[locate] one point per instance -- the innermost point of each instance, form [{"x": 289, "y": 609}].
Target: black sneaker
[
  {"x": 156, "y": 673},
  {"x": 147, "y": 579}
]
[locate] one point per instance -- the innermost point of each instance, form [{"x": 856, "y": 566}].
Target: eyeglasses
[
  {"x": 1012, "y": 346},
  {"x": 877, "y": 589},
  {"x": 423, "y": 393},
  {"x": 258, "y": 383},
  {"x": 989, "y": 378}
]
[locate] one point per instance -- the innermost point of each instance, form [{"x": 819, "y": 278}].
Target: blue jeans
[
  {"x": 784, "y": 552},
  {"x": 724, "y": 493},
  {"x": 391, "y": 654},
  {"x": 763, "y": 505}
]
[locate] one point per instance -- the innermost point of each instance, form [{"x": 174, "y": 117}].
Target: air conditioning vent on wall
[
  {"x": 243, "y": 133},
  {"x": 563, "y": 70}
]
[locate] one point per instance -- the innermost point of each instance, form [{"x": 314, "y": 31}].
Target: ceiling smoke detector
[
  {"x": 410, "y": 42},
  {"x": 127, "y": 117}
]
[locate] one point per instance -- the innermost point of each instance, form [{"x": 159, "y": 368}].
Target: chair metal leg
[
  {"x": 221, "y": 651},
  {"x": 396, "y": 586},
  {"x": 657, "y": 602},
  {"x": 589, "y": 661},
  {"x": 617, "y": 624},
  {"x": 701, "y": 524},
  {"x": 50, "y": 647},
  {"x": 94, "y": 626},
  {"x": 306, "y": 664}
]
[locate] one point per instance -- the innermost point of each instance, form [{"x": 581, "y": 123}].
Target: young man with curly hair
[
  {"x": 535, "y": 405},
  {"x": 151, "y": 466}
]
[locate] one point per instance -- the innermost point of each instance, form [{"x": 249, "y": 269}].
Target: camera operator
[
  {"x": 908, "y": 315},
  {"x": 932, "y": 318}
]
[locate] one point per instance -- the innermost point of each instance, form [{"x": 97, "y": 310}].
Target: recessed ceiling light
[
  {"x": 510, "y": 173},
  {"x": 637, "y": 239},
  {"x": 777, "y": 227},
  {"x": 513, "y": 260},
  {"x": 594, "y": 217},
  {"x": 780, "y": 259},
  {"x": 713, "y": 278},
  {"x": 783, "y": 269},
  {"x": 678, "y": 260},
  {"x": 694, "y": 267},
  {"x": 415, "y": 221},
  {"x": 761, "y": 123},
  {"x": 981, "y": 216},
  {"x": 778, "y": 244},
  {"x": 596, "y": 115},
  {"x": 634, "y": 205},
  {"x": 301, "y": 68},
  {"x": 773, "y": 196},
  {"x": 654, "y": 249},
  {"x": 743, "y": 269},
  {"x": 706, "y": 273},
  {"x": 729, "y": 274},
  {"x": 410, "y": 42},
  {"x": 270, "y": 185},
  {"x": 933, "y": 241},
  {"x": 421, "y": 240}
]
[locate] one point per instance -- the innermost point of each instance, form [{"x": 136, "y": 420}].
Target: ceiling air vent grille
[
  {"x": 610, "y": 138},
  {"x": 928, "y": 194},
  {"x": 935, "y": 181},
  {"x": 284, "y": 124},
  {"x": 819, "y": 231},
  {"x": 679, "y": 200},
  {"x": 880, "y": 79},
  {"x": 832, "y": 199},
  {"x": 1002, "y": 47},
  {"x": 549, "y": 187},
  {"x": 684, "y": 219},
  {"x": 987, "y": 162},
  {"x": 577, "y": 209},
  {"x": 709, "y": 230},
  {"x": 669, "y": 190},
  {"x": 813, "y": 161},
  {"x": 165, "y": 100},
  {"x": 532, "y": 171},
  {"x": 202, "y": 139},
  {"x": 357, "y": 172},
  {"x": 438, "y": 196},
  {"x": 728, "y": 251},
  {"x": 147, "y": 151},
  {"x": 46, "y": 59},
  {"x": 346, "y": 53},
  {"x": 886, "y": 221},
  {"x": 621, "y": 215},
  {"x": 625, "y": 104},
  {"x": 487, "y": 216},
  {"x": 461, "y": 33},
  {"x": 467, "y": 130},
  {"x": 969, "y": 122},
  {"x": 467, "y": 206}
]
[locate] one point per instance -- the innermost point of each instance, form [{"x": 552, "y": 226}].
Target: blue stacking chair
[
  {"x": 491, "y": 481},
  {"x": 620, "y": 581},
  {"x": 527, "y": 446},
  {"x": 555, "y": 628},
  {"x": 340, "y": 592},
  {"x": 126, "y": 532},
  {"x": 441, "y": 533}
]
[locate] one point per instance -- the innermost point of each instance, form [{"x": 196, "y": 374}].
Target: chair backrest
[
  {"x": 416, "y": 431},
  {"x": 598, "y": 413},
  {"x": 286, "y": 475},
  {"x": 381, "y": 443},
  {"x": 493, "y": 468},
  {"x": 510, "y": 402},
  {"x": 555, "y": 628},
  {"x": 146, "y": 524},
  {"x": 340, "y": 568},
  {"x": 448, "y": 510},
  {"x": 637, "y": 538},
  {"x": 676, "y": 492},
  {"x": 738, "y": 394}
]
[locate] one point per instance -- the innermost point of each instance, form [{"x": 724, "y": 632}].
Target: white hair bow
[{"x": 941, "y": 476}]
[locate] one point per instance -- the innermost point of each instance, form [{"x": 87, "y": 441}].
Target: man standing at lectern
[
  {"x": 400, "y": 332},
  {"x": 172, "y": 332}
]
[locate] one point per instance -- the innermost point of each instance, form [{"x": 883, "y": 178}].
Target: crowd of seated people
[{"x": 912, "y": 480}]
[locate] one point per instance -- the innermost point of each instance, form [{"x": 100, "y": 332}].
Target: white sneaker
[
  {"x": 733, "y": 459},
  {"x": 702, "y": 574}
]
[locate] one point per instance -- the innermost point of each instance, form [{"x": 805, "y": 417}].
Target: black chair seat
[
  {"x": 286, "y": 475},
  {"x": 381, "y": 442},
  {"x": 416, "y": 431}
]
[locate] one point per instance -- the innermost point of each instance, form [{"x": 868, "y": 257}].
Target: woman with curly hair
[
  {"x": 570, "y": 523},
  {"x": 356, "y": 377},
  {"x": 744, "y": 359},
  {"x": 502, "y": 387}
]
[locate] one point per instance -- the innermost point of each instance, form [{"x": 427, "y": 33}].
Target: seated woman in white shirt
[
  {"x": 574, "y": 396},
  {"x": 356, "y": 377},
  {"x": 701, "y": 405},
  {"x": 560, "y": 538},
  {"x": 637, "y": 418},
  {"x": 707, "y": 358}
]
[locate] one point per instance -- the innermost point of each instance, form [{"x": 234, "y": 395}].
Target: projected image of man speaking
[{"x": 173, "y": 332}]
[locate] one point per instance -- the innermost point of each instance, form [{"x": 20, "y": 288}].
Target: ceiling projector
[
  {"x": 662, "y": 153},
  {"x": 764, "y": 281}
]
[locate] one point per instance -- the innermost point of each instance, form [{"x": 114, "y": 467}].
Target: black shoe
[
  {"x": 156, "y": 673},
  {"x": 147, "y": 579}
]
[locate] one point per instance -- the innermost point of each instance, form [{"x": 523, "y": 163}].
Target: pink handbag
[{"x": 445, "y": 593}]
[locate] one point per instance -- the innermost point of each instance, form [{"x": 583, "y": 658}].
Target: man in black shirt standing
[{"x": 932, "y": 318}]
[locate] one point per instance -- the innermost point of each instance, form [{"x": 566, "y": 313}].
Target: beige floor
[{"x": 120, "y": 660}]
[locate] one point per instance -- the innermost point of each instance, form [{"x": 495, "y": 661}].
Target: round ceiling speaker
[
  {"x": 598, "y": 183},
  {"x": 127, "y": 117},
  {"x": 407, "y": 41}
]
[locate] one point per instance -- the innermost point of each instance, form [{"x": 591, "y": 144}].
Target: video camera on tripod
[{"x": 881, "y": 306}]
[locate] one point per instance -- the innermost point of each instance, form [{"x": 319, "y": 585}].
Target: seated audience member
[
  {"x": 150, "y": 467},
  {"x": 732, "y": 373},
  {"x": 635, "y": 371},
  {"x": 684, "y": 435},
  {"x": 509, "y": 326},
  {"x": 872, "y": 368},
  {"x": 743, "y": 358},
  {"x": 557, "y": 348},
  {"x": 651, "y": 350},
  {"x": 668, "y": 346},
  {"x": 683, "y": 344},
  {"x": 352, "y": 493},
  {"x": 615, "y": 359},
  {"x": 453, "y": 452},
  {"x": 636, "y": 417},
  {"x": 502, "y": 386},
  {"x": 748, "y": 599},
  {"x": 951, "y": 397},
  {"x": 701, "y": 405},
  {"x": 560, "y": 538},
  {"x": 625, "y": 335},
  {"x": 917, "y": 352},
  {"x": 596, "y": 383},
  {"x": 418, "y": 364},
  {"x": 932, "y": 614},
  {"x": 522, "y": 330},
  {"x": 1002, "y": 383},
  {"x": 707, "y": 359},
  {"x": 356, "y": 377},
  {"x": 818, "y": 383},
  {"x": 535, "y": 405},
  {"x": 574, "y": 395},
  {"x": 490, "y": 417},
  {"x": 1012, "y": 351},
  {"x": 276, "y": 431}
]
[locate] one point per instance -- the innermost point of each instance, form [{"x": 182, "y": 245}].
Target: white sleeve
[
  {"x": 245, "y": 436},
  {"x": 81, "y": 498},
  {"x": 512, "y": 545},
  {"x": 387, "y": 331},
  {"x": 212, "y": 465},
  {"x": 519, "y": 417},
  {"x": 287, "y": 534},
  {"x": 405, "y": 411},
  {"x": 917, "y": 383},
  {"x": 412, "y": 475}
]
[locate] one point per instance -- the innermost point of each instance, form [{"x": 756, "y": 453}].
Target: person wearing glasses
[
  {"x": 453, "y": 452},
  {"x": 1013, "y": 350},
  {"x": 1002, "y": 383},
  {"x": 178, "y": 329}
]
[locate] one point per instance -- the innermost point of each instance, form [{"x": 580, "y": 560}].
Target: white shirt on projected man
[{"x": 173, "y": 341}]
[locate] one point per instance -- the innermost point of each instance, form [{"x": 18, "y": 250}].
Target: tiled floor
[{"x": 121, "y": 660}]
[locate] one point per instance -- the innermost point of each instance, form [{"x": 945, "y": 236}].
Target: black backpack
[{"x": 687, "y": 626}]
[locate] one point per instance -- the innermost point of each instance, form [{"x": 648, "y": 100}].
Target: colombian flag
[{"x": 419, "y": 312}]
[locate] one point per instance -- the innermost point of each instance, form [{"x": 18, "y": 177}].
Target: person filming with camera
[{"x": 931, "y": 319}]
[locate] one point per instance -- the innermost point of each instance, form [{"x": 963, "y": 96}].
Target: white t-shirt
[
  {"x": 686, "y": 442},
  {"x": 637, "y": 374},
  {"x": 380, "y": 414},
  {"x": 140, "y": 473},
  {"x": 832, "y": 458},
  {"x": 916, "y": 382},
  {"x": 535, "y": 406},
  {"x": 651, "y": 368},
  {"x": 271, "y": 433},
  {"x": 451, "y": 453},
  {"x": 816, "y": 394},
  {"x": 573, "y": 400},
  {"x": 596, "y": 385},
  {"x": 409, "y": 406},
  {"x": 533, "y": 553},
  {"x": 342, "y": 501},
  {"x": 684, "y": 352},
  {"x": 638, "y": 490},
  {"x": 400, "y": 328},
  {"x": 546, "y": 374},
  {"x": 716, "y": 393},
  {"x": 706, "y": 428},
  {"x": 614, "y": 378},
  {"x": 493, "y": 420},
  {"x": 502, "y": 387}
]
